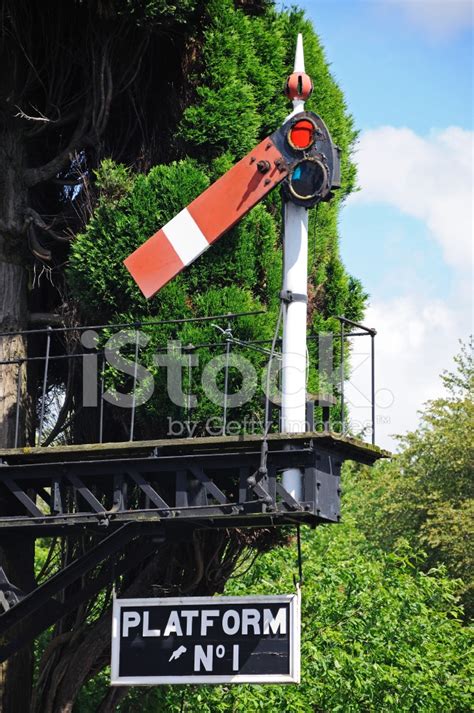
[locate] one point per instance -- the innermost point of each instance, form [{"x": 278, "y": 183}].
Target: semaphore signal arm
[{"x": 300, "y": 154}]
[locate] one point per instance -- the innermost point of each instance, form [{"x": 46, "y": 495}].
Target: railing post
[
  {"x": 45, "y": 383},
  {"x": 372, "y": 345},
  {"x": 190, "y": 350},
  {"x": 18, "y": 399},
  {"x": 101, "y": 405},
  {"x": 226, "y": 379},
  {"x": 343, "y": 426},
  {"x": 135, "y": 371}
]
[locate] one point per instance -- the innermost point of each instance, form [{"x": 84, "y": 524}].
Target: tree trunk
[
  {"x": 16, "y": 552},
  {"x": 62, "y": 674},
  {"x": 12, "y": 348},
  {"x": 13, "y": 286}
]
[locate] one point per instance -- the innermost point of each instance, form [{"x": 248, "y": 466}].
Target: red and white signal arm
[
  {"x": 191, "y": 232},
  {"x": 301, "y": 149}
]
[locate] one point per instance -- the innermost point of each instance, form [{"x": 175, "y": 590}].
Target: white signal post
[{"x": 295, "y": 279}]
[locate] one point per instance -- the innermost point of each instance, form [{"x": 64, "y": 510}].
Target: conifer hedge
[{"x": 234, "y": 100}]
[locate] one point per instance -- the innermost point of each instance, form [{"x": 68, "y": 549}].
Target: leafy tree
[
  {"x": 425, "y": 494},
  {"x": 69, "y": 96},
  {"x": 377, "y": 635}
]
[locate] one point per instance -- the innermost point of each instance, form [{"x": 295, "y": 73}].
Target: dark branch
[
  {"x": 33, "y": 176},
  {"x": 35, "y": 246},
  {"x": 47, "y": 318}
]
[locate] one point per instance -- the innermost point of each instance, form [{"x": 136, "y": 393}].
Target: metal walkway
[
  {"x": 208, "y": 482},
  {"x": 133, "y": 495}
]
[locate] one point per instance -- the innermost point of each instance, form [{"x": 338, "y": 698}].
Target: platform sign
[{"x": 206, "y": 640}]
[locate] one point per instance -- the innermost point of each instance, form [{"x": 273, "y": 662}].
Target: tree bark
[
  {"x": 16, "y": 552},
  {"x": 12, "y": 348},
  {"x": 63, "y": 674}
]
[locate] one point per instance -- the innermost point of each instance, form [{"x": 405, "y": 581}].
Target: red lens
[{"x": 301, "y": 134}]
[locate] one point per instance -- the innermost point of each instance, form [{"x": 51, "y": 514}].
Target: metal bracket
[
  {"x": 289, "y": 296},
  {"x": 9, "y": 594},
  {"x": 42, "y": 607}
]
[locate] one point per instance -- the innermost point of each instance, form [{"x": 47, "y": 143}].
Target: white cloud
[
  {"x": 429, "y": 178},
  {"x": 439, "y": 18},
  {"x": 416, "y": 340}
]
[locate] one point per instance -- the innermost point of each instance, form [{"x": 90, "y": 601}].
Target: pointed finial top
[
  {"x": 298, "y": 85},
  {"x": 299, "y": 54}
]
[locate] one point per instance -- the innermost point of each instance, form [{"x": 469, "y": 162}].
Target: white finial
[
  {"x": 299, "y": 54},
  {"x": 298, "y": 85}
]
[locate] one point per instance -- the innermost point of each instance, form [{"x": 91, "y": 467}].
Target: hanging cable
[
  {"x": 300, "y": 559},
  {"x": 270, "y": 359},
  {"x": 264, "y": 449},
  {"x": 298, "y": 582}
]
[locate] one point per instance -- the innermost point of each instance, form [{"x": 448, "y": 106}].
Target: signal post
[{"x": 295, "y": 282}]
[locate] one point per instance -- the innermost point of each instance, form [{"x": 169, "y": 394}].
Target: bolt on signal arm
[{"x": 193, "y": 230}]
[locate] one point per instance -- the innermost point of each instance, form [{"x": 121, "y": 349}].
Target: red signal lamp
[{"x": 301, "y": 134}]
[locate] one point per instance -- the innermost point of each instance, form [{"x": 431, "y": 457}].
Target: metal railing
[
  {"x": 365, "y": 331},
  {"x": 50, "y": 350}
]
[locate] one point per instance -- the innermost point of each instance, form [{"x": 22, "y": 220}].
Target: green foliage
[
  {"x": 238, "y": 77},
  {"x": 425, "y": 494},
  {"x": 240, "y": 274},
  {"x": 150, "y": 13},
  {"x": 243, "y": 67},
  {"x": 229, "y": 115},
  {"x": 377, "y": 635},
  {"x": 130, "y": 208}
]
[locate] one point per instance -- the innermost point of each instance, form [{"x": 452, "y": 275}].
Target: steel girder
[{"x": 227, "y": 487}]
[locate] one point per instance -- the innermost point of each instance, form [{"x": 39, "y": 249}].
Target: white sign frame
[{"x": 294, "y": 600}]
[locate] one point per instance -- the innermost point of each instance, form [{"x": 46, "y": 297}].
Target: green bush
[{"x": 377, "y": 635}]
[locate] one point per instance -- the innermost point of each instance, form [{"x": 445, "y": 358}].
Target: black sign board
[{"x": 206, "y": 640}]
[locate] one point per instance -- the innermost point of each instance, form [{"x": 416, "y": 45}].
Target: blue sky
[
  {"x": 406, "y": 68},
  {"x": 392, "y": 70}
]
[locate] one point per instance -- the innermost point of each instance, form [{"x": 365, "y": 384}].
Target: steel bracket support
[
  {"x": 207, "y": 488},
  {"x": 52, "y": 611},
  {"x": 109, "y": 545}
]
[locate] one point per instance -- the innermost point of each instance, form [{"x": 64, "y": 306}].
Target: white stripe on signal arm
[{"x": 185, "y": 236}]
